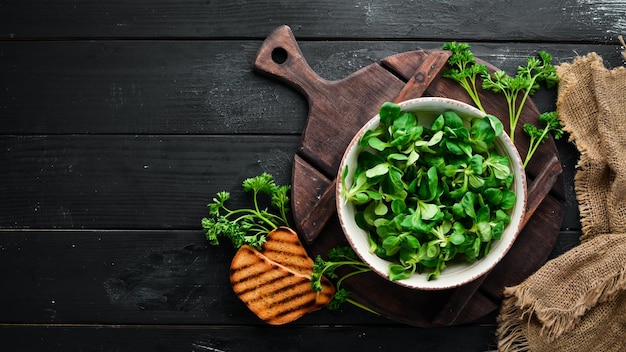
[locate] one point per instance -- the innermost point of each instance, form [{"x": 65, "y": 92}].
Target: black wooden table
[{"x": 119, "y": 121}]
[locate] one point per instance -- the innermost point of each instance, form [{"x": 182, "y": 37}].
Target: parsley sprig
[
  {"x": 539, "y": 135},
  {"x": 516, "y": 89},
  {"x": 465, "y": 70},
  {"x": 342, "y": 256},
  {"x": 525, "y": 82},
  {"x": 248, "y": 225}
]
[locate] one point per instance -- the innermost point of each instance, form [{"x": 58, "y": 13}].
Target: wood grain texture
[
  {"x": 243, "y": 338},
  {"x": 140, "y": 87},
  {"x": 533, "y": 20},
  {"x": 331, "y": 124},
  {"x": 125, "y": 181},
  {"x": 128, "y": 277},
  {"x": 119, "y": 120},
  {"x": 137, "y": 277},
  {"x": 130, "y": 182},
  {"x": 194, "y": 87}
]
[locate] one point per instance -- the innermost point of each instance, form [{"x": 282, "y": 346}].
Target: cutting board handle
[{"x": 280, "y": 56}]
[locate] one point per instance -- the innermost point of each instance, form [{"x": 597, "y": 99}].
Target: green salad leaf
[{"x": 427, "y": 195}]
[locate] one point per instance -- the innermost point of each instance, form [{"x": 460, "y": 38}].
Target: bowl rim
[{"x": 471, "y": 271}]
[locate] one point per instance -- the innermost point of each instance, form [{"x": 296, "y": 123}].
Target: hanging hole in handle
[{"x": 279, "y": 55}]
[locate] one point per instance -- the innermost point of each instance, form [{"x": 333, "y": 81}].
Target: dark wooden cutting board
[{"x": 337, "y": 110}]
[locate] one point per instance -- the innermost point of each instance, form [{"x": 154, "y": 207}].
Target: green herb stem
[
  {"x": 534, "y": 144},
  {"x": 538, "y": 136},
  {"x": 470, "y": 88},
  {"x": 464, "y": 69},
  {"x": 339, "y": 256},
  {"x": 353, "y": 273},
  {"x": 473, "y": 93},
  {"x": 248, "y": 225},
  {"x": 359, "y": 305},
  {"x": 518, "y": 109},
  {"x": 251, "y": 214}
]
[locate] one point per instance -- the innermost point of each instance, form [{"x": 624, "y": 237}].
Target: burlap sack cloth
[{"x": 577, "y": 301}]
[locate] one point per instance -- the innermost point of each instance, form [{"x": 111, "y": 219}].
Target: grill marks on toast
[
  {"x": 263, "y": 273},
  {"x": 284, "y": 247},
  {"x": 274, "y": 293},
  {"x": 275, "y": 283}
]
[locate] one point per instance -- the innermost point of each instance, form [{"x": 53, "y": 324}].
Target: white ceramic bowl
[{"x": 458, "y": 273}]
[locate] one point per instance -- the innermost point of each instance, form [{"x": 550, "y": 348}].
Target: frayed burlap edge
[
  {"x": 510, "y": 330},
  {"x": 568, "y": 82},
  {"x": 519, "y": 307}
]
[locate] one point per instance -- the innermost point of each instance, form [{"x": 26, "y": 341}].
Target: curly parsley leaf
[
  {"x": 248, "y": 225},
  {"x": 524, "y": 84},
  {"x": 343, "y": 256},
  {"x": 539, "y": 135},
  {"x": 464, "y": 69}
]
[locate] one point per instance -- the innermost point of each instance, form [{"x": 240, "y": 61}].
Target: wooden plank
[
  {"x": 569, "y": 155},
  {"x": 352, "y": 103},
  {"x": 533, "y": 20},
  {"x": 193, "y": 87},
  {"x": 130, "y": 182},
  {"x": 60, "y": 108},
  {"x": 127, "y": 277},
  {"x": 244, "y": 338},
  {"x": 340, "y": 121},
  {"x": 566, "y": 241},
  {"x": 135, "y": 182},
  {"x": 141, "y": 87},
  {"x": 136, "y": 277}
]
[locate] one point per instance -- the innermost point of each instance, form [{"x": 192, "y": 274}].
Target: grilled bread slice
[
  {"x": 275, "y": 283},
  {"x": 285, "y": 248},
  {"x": 271, "y": 291}
]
